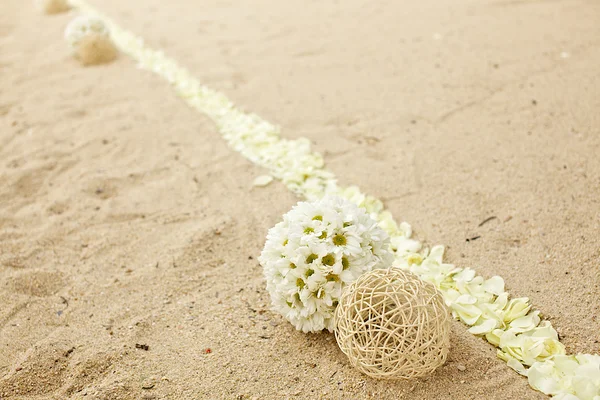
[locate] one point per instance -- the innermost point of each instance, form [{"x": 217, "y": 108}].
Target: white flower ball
[
  {"x": 317, "y": 250},
  {"x": 52, "y": 6},
  {"x": 90, "y": 40}
]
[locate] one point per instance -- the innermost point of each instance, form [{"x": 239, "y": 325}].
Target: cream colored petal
[
  {"x": 494, "y": 337},
  {"x": 585, "y": 383},
  {"x": 262, "y": 180},
  {"x": 526, "y": 323},
  {"x": 486, "y": 326},
  {"x": 437, "y": 253},
  {"x": 494, "y": 285},
  {"x": 468, "y": 313},
  {"x": 517, "y": 366},
  {"x": 541, "y": 377},
  {"x": 516, "y": 308}
]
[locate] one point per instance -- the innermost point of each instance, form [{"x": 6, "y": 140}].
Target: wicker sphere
[{"x": 392, "y": 325}]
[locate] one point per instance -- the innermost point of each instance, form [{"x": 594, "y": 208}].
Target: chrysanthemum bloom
[
  {"x": 52, "y": 6},
  {"x": 314, "y": 252},
  {"x": 90, "y": 41}
]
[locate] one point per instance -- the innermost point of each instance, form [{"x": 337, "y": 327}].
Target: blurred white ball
[{"x": 90, "y": 41}]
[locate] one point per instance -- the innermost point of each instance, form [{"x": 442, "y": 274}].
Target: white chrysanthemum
[
  {"x": 52, "y": 6},
  {"x": 90, "y": 40},
  {"x": 314, "y": 252}
]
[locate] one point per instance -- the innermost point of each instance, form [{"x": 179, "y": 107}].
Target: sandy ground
[{"x": 125, "y": 219}]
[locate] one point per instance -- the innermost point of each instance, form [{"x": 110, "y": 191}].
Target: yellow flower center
[
  {"x": 345, "y": 263},
  {"x": 339, "y": 240},
  {"x": 329, "y": 259}
]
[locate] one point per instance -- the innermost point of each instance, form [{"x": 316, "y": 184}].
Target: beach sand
[{"x": 126, "y": 221}]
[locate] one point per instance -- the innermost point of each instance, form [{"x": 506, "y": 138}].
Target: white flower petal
[
  {"x": 517, "y": 366},
  {"x": 494, "y": 285},
  {"x": 262, "y": 180},
  {"x": 486, "y": 326},
  {"x": 541, "y": 377}
]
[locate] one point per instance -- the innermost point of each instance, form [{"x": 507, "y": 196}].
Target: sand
[{"x": 126, "y": 221}]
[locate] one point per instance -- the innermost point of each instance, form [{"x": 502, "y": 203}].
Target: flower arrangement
[
  {"x": 83, "y": 26},
  {"x": 90, "y": 41},
  {"x": 314, "y": 252}
]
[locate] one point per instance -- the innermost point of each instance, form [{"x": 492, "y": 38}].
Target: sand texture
[{"x": 126, "y": 221}]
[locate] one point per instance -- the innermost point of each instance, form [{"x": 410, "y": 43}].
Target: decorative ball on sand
[
  {"x": 53, "y": 6},
  {"x": 90, "y": 41},
  {"x": 312, "y": 254},
  {"x": 392, "y": 325}
]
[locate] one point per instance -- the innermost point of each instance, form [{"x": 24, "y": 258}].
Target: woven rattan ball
[{"x": 392, "y": 325}]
